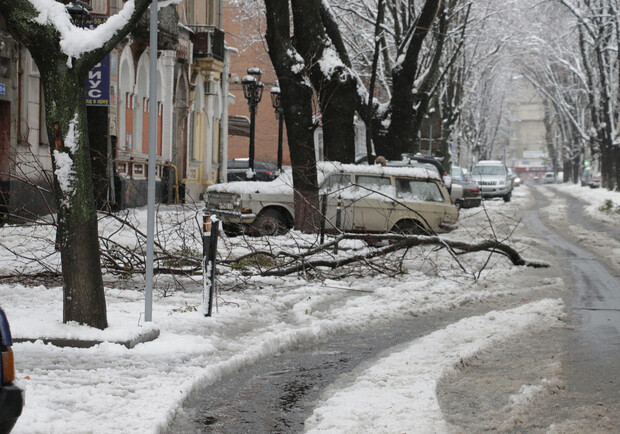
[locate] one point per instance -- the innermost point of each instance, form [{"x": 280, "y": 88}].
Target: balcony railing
[{"x": 208, "y": 42}]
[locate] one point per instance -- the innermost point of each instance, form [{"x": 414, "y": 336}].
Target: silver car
[
  {"x": 493, "y": 178},
  {"x": 358, "y": 199}
]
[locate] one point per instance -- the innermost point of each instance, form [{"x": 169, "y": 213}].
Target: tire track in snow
[{"x": 398, "y": 393}]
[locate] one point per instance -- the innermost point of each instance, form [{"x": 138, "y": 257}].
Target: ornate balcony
[{"x": 208, "y": 42}]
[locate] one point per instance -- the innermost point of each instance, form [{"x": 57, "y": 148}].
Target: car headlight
[
  {"x": 502, "y": 182},
  {"x": 237, "y": 201},
  {"x": 449, "y": 219}
]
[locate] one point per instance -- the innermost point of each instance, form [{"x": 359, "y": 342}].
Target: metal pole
[
  {"x": 430, "y": 140},
  {"x": 323, "y": 217},
  {"x": 280, "y": 131},
  {"x": 338, "y": 220},
  {"x": 150, "y": 220},
  {"x": 210, "y": 232},
  {"x": 252, "y": 122}
]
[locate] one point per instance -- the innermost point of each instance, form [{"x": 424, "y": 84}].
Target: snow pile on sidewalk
[{"x": 397, "y": 394}]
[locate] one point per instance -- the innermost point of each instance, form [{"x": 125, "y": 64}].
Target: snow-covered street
[{"x": 110, "y": 388}]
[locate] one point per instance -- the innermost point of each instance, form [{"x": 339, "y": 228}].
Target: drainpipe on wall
[{"x": 223, "y": 157}]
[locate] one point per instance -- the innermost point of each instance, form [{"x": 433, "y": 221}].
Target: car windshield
[{"x": 489, "y": 170}]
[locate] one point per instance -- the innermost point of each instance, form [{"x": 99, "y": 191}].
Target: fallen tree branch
[{"x": 400, "y": 242}]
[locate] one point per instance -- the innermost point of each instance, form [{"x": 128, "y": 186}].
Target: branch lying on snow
[{"x": 398, "y": 242}]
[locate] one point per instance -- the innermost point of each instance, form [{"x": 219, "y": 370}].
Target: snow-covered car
[
  {"x": 455, "y": 190},
  {"x": 549, "y": 178},
  {"x": 11, "y": 396},
  {"x": 367, "y": 199},
  {"x": 493, "y": 178},
  {"x": 470, "y": 196},
  {"x": 238, "y": 169},
  {"x": 595, "y": 180}
]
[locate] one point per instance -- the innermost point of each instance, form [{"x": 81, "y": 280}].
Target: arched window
[
  {"x": 140, "y": 107},
  {"x": 126, "y": 80}
]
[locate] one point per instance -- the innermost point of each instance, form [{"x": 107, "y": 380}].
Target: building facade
[{"x": 191, "y": 114}]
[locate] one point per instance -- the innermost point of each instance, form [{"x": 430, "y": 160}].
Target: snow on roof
[{"x": 490, "y": 163}]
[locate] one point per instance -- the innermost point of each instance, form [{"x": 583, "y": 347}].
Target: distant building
[{"x": 527, "y": 149}]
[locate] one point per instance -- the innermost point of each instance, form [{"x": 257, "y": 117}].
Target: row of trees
[
  {"x": 390, "y": 62},
  {"x": 365, "y": 57},
  {"x": 574, "y": 63}
]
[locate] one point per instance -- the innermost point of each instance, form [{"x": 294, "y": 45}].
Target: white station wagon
[{"x": 368, "y": 199}]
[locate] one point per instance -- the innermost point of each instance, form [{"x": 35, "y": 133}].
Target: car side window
[
  {"x": 418, "y": 190},
  {"x": 368, "y": 185},
  {"x": 336, "y": 182}
]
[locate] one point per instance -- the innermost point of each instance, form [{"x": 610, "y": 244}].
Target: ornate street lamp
[
  {"x": 79, "y": 11},
  {"x": 253, "y": 92},
  {"x": 276, "y": 103}
]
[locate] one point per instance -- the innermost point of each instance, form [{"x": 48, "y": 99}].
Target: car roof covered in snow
[{"x": 324, "y": 168}]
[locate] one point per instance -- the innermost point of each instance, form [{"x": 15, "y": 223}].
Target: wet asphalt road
[
  {"x": 592, "y": 363},
  {"x": 278, "y": 394},
  {"x": 573, "y": 370}
]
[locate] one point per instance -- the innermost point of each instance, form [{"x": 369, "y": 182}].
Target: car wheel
[
  {"x": 507, "y": 197},
  {"x": 409, "y": 227},
  {"x": 270, "y": 222},
  {"x": 231, "y": 230}
]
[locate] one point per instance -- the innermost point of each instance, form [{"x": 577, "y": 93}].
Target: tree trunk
[
  {"x": 297, "y": 104},
  {"x": 63, "y": 80},
  {"x": 336, "y": 88},
  {"x": 401, "y": 131},
  {"x": 84, "y": 299},
  {"x": 617, "y": 168}
]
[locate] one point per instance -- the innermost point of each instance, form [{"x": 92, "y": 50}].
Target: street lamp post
[
  {"x": 253, "y": 92},
  {"x": 79, "y": 12},
  {"x": 276, "y": 102}
]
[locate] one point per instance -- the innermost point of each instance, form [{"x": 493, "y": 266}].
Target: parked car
[
  {"x": 371, "y": 199},
  {"x": 586, "y": 176},
  {"x": 445, "y": 176},
  {"x": 470, "y": 190},
  {"x": 595, "y": 180},
  {"x": 456, "y": 191},
  {"x": 493, "y": 178},
  {"x": 238, "y": 170},
  {"x": 516, "y": 181},
  {"x": 11, "y": 396},
  {"x": 549, "y": 178}
]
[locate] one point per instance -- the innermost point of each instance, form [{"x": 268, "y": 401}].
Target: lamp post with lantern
[
  {"x": 277, "y": 105},
  {"x": 79, "y": 12},
  {"x": 253, "y": 92}
]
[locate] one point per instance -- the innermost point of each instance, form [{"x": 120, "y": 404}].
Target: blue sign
[
  {"x": 2, "y": 89},
  {"x": 98, "y": 84},
  {"x": 98, "y": 80}
]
